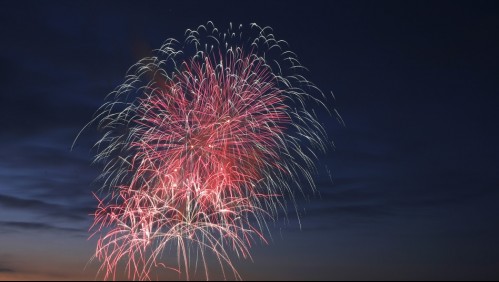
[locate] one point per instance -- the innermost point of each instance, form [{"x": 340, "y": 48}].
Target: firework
[{"x": 203, "y": 145}]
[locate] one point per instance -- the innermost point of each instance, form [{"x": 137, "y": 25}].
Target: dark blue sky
[{"x": 415, "y": 171}]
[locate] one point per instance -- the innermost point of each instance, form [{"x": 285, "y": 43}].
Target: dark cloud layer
[
  {"x": 45, "y": 209},
  {"x": 34, "y": 226}
]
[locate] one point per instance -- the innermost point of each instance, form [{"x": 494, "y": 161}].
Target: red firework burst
[{"x": 201, "y": 156}]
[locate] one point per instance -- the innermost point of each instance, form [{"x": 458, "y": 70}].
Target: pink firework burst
[{"x": 203, "y": 145}]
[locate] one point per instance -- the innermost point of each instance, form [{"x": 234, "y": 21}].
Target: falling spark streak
[{"x": 202, "y": 147}]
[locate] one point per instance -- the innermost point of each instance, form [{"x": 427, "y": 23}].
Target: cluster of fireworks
[{"x": 203, "y": 145}]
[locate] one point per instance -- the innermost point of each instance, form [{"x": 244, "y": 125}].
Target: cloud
[
  {"x": 365, "y": 198},
  {"x": 41, "y": 176},
  {"x": 37, "y": 207},
  {"x": 6, "y": 263},
  {"x": 360, "y": 210},
  {"x": 13, "y": 202},
  {"x": 35, "y": 226}
]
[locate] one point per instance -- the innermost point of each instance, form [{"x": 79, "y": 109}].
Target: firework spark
[{"x": 203, "y": 145}]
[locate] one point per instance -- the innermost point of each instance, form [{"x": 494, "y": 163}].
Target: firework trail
[{"x": 203, "y": 145}]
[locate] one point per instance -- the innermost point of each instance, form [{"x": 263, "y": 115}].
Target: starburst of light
[{"x": 203, "y": 145}]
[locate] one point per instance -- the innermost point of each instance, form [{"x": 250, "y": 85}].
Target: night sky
[{"x": 415, "y": 171}]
